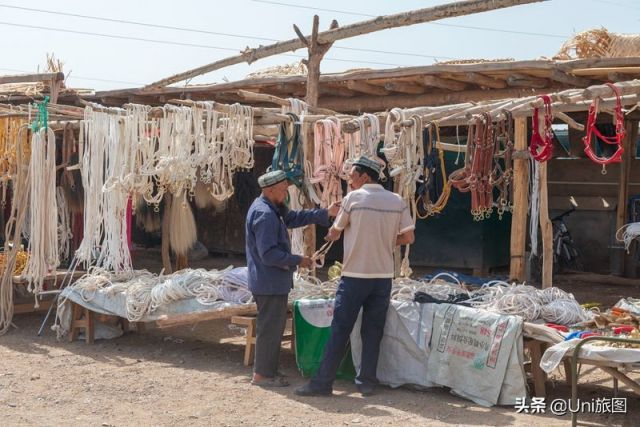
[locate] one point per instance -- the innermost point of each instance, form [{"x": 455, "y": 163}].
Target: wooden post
[
  {"x": 316, "y": 52},
  {"x": 546, "y": 228},
  {"x": 520, "y": 204},
  {"x": 166, "y": 229},
  {"x": 629, "y": 144}
]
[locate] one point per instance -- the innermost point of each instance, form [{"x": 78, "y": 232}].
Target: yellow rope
[{"x": 437, "y": 207}]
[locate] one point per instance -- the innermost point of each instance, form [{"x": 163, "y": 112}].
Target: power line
[
  {"x": 195, "y": 30},
  {"x": 175, "y": 43},
  {"x": 467, "y": 27}
]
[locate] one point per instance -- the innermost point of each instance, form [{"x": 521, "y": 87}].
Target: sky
[{"x": 153, "y": 51}]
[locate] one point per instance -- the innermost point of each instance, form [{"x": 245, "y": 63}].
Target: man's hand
[
  {"x": 334, "y": 208},
  {"x": 306, "y": 262},
  {"x": 332, "y": 235}
]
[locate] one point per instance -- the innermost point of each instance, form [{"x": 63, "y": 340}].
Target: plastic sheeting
[{"x": 476, "y": 353}]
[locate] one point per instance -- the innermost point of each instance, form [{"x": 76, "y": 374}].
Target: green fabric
[
  {"x": 42, "y": 119},
  {"x": 310, "y": 342}
]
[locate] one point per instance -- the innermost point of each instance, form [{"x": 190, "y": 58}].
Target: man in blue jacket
[{"x": 271, "y": 266}]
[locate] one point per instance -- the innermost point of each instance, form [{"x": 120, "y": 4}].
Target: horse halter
[
  {"x": 541, "y": 146},
  {"x": 591, "y": 129}
]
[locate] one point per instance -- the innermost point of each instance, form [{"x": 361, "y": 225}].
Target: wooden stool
[
  {"x": 81, "y": 318},
  {"x": 250, "y": 323}
]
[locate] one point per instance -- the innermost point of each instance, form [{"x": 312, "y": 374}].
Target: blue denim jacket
[{"x": 269, "y": 260}]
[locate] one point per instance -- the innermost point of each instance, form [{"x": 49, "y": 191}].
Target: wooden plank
[
  {"x": 478, "y": 79},
  {"x": 337, "y": 91},
  {"x": 569, "y": 79},
  {"x": 603, "y": 71},
  {"x": 29, "y": 307},
  {"x": 450, "y": 10},
  {"x": 202, "y": 316},
  {"x": 520, "y": 204},
  {"x": 404, "y": 87},
  {"x": 27, "y": 78},
  {"x": 367, "y": 88},
  {"x": 441, "y": 83},
  {"x": 379, "y": 103},
  {"x": 546, "y": 229},
  {"x": 523, "y": 80}
]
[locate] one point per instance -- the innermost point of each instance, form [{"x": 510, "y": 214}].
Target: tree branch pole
[
  {"x": 316, "y": 51},
  {"x": 419, "y": 16}
]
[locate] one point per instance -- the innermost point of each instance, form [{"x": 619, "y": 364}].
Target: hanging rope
[
  {"x": 435, "y": 190},
  {"x": 328, "y": 160},
  {"x": 541, "y": 146},
  {"x": 591, "y": 129}
]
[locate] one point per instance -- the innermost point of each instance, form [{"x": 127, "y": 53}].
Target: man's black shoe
[
  {"x": 366, "y": 389},
  {"x": 307, "y": 390}
]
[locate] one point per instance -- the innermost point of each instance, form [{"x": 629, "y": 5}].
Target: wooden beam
[
  {"x": 435, "y": 13},
  {"x": 623, "y": 188},
  {"x": 441, "y": 83},
  {"x": 520, "y": 204},
  {"x": 478, "y": 79},
  {"x": 404, "y": 87},
  {"x": 569, "y": 79},
  {"x": 605, "y": 71},
  {"x": 368, "y": 88},
  {"x": 546, "y": 229},
  {"x": 523, "y": 80},
  {"x": 338, "y": 91},
  {"x": 379, "y": 103},
  {"x": 27, "y": 78}
]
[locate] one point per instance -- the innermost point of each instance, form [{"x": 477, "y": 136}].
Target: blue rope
[{"x": 288, "y": 153}]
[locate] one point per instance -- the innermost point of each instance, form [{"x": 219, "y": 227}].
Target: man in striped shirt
[{"x": 374, "y": 222}]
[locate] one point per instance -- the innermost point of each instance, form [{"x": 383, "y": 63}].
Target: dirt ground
[{"x": 195, "y": 376}]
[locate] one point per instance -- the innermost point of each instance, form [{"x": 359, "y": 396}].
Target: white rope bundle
[
  {"x": 146, "y": 292},
  {"x": 534, "y": 206},
  {"x": 627, "y": 233},
  {"x": 363, "y": 142},
  {"x": 64, "y": 224},
  {"x": 550, "y": 304},
  {"x": 43, "y": 242}
]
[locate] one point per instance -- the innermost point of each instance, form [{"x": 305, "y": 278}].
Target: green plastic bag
[{"x": 312, "y": 320}]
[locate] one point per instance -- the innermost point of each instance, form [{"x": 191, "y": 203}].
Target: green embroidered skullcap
[
  {"x": 368, "y": 163},
  {"x": 271, "y": 178}
]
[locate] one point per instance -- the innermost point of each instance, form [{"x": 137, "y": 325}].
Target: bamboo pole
[{"x": 419, "y": 16}]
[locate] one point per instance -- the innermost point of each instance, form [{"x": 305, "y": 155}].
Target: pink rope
[{"x": 328, "y": 159}]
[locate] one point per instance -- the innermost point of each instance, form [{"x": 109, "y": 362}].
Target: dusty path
[{"x": 196, "y": 377}]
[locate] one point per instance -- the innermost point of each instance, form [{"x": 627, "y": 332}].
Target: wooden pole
[
  {"x": 316, "y": 51},
  {"x": 520, "y": 204},
  {"x": 27, "y": 78},
  {"x": 419, "y": 16},
  {"x": 546, "y": 229},
  {"x": 629, "y": 145}
]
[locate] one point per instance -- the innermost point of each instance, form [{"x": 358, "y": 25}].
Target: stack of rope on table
[{"x": 145, "y": 292}]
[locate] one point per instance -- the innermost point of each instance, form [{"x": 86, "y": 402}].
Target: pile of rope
[
  {"x": 627, "y": 233},
  {"x": 551, "y": 304},
  {"x": 146, "y": 292},
  {"x": 599, "y": 43}
]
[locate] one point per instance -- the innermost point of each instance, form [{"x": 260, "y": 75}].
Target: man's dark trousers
[{"x": 372, "y": 295}]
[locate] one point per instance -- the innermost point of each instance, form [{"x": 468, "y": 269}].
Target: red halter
[
  {"x": 611, "y": 140},
  {"x": 541, "y": 147}
]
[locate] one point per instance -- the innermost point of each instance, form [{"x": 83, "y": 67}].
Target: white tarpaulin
[
  {"x": 476, "y": 353},
  {"x": 554, "y": 354}
]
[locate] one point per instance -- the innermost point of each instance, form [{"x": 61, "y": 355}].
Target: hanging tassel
[{"x": 182, "y": 224}]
